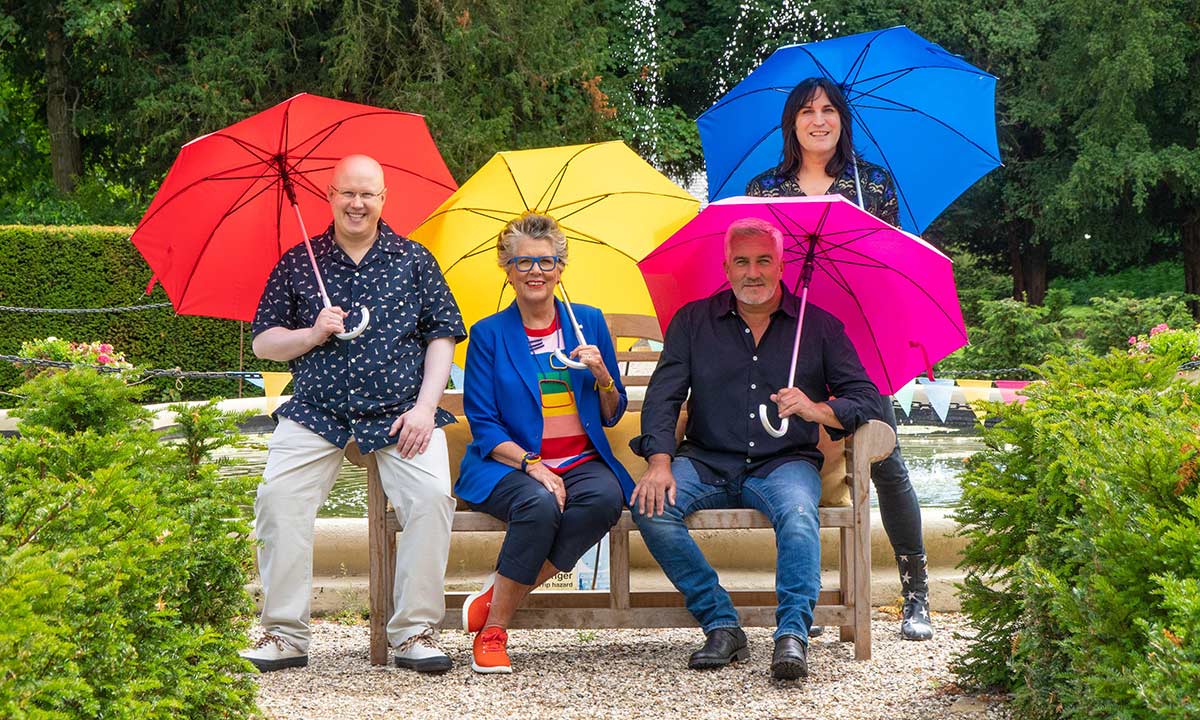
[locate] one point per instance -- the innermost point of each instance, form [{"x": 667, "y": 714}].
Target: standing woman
[
  {"x": 539, "y": 459},
  {"x": 818, "y": 159}
]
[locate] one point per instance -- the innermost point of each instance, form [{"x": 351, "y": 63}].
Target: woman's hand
[
  {"x": 590, "y": 355},
  {"x": 550, "y": 481}
]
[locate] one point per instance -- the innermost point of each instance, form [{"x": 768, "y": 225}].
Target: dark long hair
[{"x": 800, "y": 96}]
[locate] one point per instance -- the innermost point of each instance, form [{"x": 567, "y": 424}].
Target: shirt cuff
[{"x": 647, "y": 445}]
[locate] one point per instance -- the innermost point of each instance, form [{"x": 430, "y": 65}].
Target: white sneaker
[
  {"x": 421, "y": 653},
  {"x": 272, "y": 652}
]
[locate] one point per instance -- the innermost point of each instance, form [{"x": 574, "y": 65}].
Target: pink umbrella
[{"x": 893, "y": 291}]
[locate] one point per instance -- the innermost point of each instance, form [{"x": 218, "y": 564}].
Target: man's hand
[
  {"x": 793, "y": 401},
  {"x": 415, "y": 428},
  {"x": 550, "y": 481},
  {"x": 329, "y": 321},
  {"x": 656, "y": 486}
]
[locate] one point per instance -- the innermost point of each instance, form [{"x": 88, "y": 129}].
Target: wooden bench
[{"x": 846, "y": 606}]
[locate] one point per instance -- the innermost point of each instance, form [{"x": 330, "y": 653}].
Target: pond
[{"x": 934, "y": 454}]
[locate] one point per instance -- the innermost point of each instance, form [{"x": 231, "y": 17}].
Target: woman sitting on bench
[{"x": 541, "y": 384}]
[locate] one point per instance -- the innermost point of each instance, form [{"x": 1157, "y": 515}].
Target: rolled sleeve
[
  {"x": 440, "y": 316},
  {"x": 855, "y": 398},
  {"x": 666, "y": 392},
  {"x": 277, "y": 306}
]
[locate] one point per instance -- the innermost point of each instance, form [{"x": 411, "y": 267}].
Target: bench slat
[{"x": 468, "y": 521}]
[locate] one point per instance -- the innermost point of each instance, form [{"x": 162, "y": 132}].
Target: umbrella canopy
[
  {"x": 612, "y": 206},
  {"x": 926, "y": 116},
  {"x": 893, "y": 291},
  {"x": 222, "y": 217}
]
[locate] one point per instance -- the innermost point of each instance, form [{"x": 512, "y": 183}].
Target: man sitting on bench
[{"x": 727, "y": 350}]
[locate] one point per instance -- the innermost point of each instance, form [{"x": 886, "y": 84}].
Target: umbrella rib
[
  {"x": 480, "y": 249},
  {"x": 516, "y": 185},
  {"x": 561, "y": 175},
  {"x": 204, "y": 246},
  {"x": 260, "y": 154},
  {"x": 972, "y": 70},
  {"x": 192, "y": 184},
  {"x": 355, "y": 116},
  {"x": 862, "y": 313},
  {"x": 860, "y": 61},
  {"x": 746, "y": 154},
  {"x": 891, "y": 172},
  {"x": 586, "y": 237},
  {"x": 910, "y": 108},
  {"x": 599, "y": 198}
]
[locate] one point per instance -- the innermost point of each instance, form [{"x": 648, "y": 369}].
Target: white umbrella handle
[
  {"x": 766, "y": 423},
  {"x": 559, "y": 355},
  {"x": 312, "y": 259}
]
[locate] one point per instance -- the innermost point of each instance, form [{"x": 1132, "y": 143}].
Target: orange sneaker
[
  {"x": 490, "y": 652},
  {"x": 477, "y": 605}
]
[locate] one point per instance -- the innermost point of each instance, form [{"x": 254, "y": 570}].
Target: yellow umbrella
[{"x": 613, "y": 207}]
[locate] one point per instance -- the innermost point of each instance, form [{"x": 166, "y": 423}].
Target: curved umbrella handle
[
  {"x": 560, "y": 356},
  {"x": 766, "y": 423},
  {"x": 362, "y": 325}
]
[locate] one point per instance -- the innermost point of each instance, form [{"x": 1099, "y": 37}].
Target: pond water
[{"x": 934, "y": 455}]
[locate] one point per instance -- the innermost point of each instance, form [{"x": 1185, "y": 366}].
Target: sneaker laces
[
  {"x": 424, "y": 639},
  {"x": 493, "y": 639},
  {"x": 267, "y": 639}
]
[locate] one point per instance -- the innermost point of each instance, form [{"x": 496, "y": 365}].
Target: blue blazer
[{"x": 502, "y": 402}]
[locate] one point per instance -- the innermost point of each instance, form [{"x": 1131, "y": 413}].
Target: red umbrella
[{"x": 235, "y": 200}]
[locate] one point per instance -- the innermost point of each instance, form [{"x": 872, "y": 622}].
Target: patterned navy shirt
[
  {"x": 357, "y": 388},
  {"x": 879, "y": 192}
]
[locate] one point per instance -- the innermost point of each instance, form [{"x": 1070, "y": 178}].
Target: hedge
[
  {"x": 93, "y": 267},
  {"x": 1083, "y": 562}
]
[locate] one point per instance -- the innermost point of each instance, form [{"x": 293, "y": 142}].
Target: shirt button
[
  {"x": 751, "y": 443},
  {"x": 751, "y": 416},
  {"x": 747, "y": 330},
  {"x": 753, "y": 386},
  {"x": 755, "y": 358},
  {"x": 747, "y": 461}
]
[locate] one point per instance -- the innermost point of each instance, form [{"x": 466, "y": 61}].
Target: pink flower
[
  {"x": 105, "y": 348},
  {"x": 103, "y": 359},
  {"x": 1133, "y": 339},
  {"x": 1161, "y": 327}
]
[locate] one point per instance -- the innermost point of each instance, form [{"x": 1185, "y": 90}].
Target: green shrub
[
  {"x": 95, "y": 267},
  {"x": 1158, "y": 279},
  {"x": 1011, "y": 334},
  {"x": 1083, "y": 521},
  {"x": 122, "y": 560},
  {"x": 1113, "y": 319}
]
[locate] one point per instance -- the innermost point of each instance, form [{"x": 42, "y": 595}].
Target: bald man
[{"x": 380, "y": 389}]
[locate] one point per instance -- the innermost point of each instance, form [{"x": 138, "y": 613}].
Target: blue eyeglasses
[{"x": 525, "y": 263}]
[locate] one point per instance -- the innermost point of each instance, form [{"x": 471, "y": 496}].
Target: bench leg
[
  {"x": 846, "y": 578},
  {"x": 382, "y": 564},
  {"x": 618, "y": 569},
  {"x": 862, "y": 582}
]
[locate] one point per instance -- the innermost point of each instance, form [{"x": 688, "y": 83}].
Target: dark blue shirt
[
  {"x": 357, "y": 388},
  {"x": 710, "y": 351}
]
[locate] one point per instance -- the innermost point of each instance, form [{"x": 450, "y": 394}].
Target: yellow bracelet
[{"x": 612, "y": 383}]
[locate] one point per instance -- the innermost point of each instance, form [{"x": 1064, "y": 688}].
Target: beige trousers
[{"x": 301, "y": 469}]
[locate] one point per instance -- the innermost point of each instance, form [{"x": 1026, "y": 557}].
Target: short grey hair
[
  {"x": 753, "y": 227},
  {"x": 534, "y": 226}
]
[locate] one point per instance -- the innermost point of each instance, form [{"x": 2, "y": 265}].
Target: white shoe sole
[{"x": 500, "y": 670}]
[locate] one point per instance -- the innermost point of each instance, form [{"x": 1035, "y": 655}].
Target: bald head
[{"x": 356, "y": 196}]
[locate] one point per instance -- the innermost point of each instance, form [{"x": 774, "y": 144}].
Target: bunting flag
[
  {"x": 1009, "y": 388},
  {"x": 273, "y": 385},
  {"x": 975, "y": 392},
  {"x": 257, "y": 382},
  {"x": 938, "y": 393},
  {"x": 904, "y": 397}
]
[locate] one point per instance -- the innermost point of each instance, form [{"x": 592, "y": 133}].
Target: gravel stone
[{"x": 629, "y": 674}]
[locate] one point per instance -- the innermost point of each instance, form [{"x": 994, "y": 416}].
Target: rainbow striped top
[{"x": 565, "y": 444}]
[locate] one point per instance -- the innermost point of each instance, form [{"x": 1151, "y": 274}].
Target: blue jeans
[{"x": 789, "y": 497}]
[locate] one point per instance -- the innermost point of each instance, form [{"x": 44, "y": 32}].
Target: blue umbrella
[{"x": 926, "y": 116}]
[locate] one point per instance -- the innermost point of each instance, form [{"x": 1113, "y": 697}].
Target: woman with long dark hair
[{"x": 819, "y": 159}]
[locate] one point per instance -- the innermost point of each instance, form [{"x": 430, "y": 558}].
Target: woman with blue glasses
[{"x": 538, "y": 397}]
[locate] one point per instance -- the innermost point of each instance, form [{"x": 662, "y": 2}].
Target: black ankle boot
[{"x": 916, "y": 623}]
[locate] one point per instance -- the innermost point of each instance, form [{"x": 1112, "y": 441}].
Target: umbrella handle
[
  {"x": 559, "y": 355},
  {"x": 766, "y": 423},
  {"x": 362, "y": 325}
]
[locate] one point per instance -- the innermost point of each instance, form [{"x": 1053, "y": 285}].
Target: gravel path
[{"x": 630, "y": 674}]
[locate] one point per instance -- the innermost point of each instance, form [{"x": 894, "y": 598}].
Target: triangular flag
[
  {"x": 456, "y": 377},
  {"x": 904, "y": 396},
  {"x": 938, "y": 393},
  {"x": 255, "y": 381},
  {"x": 976, "y": 391},
  {"x": 273, "y": 385},
  {"x": 1009, "y": 388}
]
